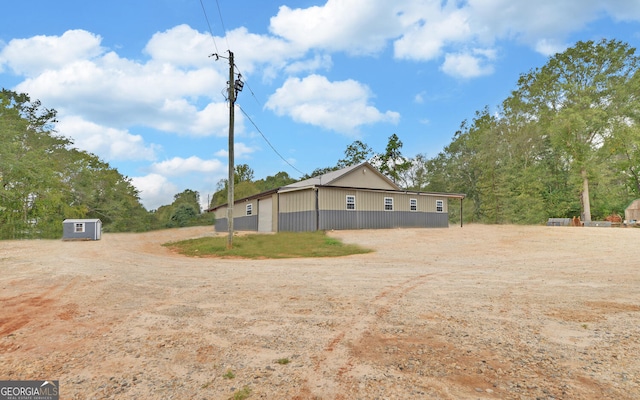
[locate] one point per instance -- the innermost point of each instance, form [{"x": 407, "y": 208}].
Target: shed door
[{"x": 265, "y": 215}]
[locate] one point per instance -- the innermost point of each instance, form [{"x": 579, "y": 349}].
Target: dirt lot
[{"x": 480, "y": 312}]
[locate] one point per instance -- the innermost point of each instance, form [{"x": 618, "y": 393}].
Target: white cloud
[
  {"x": 184, "y": 118},
  {"x": 41, "y": 53},
  {"x": 112, "y": 91},
  {"x": 318, "y": 62},
  {"x": 528, "y": 20},
  {"x": 549, "y": 47},
  {"x": 425, "y": 30},
  {"x": 182, "y": 46},
  {"x": 155, "y": 190},
  {"x": 107, "y": 143},
  {"x": 469, "y": 65},
  {"x": 180, "y": 166},
  {"x": 339, "y": 106},
  {"x": 427, "y": 37},
  {"x": 240, "y": 150},
  {"x": 354, "y": 26}
]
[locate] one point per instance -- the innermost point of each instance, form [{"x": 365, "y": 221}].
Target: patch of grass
[
  {"x": 283, "y": 361},
  {"x": 241, "y": 394},
  {"x": 229, "y": 374},
  {"x": 279, "y": 245}
]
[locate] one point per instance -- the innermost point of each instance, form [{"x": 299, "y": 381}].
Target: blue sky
[{"x": 133, "y": 82}]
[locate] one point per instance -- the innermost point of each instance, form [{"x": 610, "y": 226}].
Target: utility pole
[
  {"x": 230, "y": 185},
  {"x": 235, "y": 86}
]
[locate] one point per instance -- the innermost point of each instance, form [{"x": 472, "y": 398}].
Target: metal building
[
  {"x": 81, "y": 229},
  {"x": 356, "y": 197}
]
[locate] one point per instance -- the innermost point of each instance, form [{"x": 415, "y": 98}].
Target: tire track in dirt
[{"x": 332, "y": 366}]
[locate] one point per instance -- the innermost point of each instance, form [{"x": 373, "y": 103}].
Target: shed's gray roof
[{"x": 73, "y": 221}]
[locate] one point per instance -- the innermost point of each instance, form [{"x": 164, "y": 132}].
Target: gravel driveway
[{"x": 479, "y": 312}]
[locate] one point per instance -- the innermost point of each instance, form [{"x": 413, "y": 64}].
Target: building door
[{"x": 265, "y": 215}]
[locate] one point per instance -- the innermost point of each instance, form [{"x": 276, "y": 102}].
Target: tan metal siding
[
  {"x": 240, "y": 209},
  {"x": 336, "y": 199},
  {"x": 221, "y": 213},
  {"x": 297, "y": 201},
  {"x": 363, "y": 177},
  {"x": 430, "y": 203}
]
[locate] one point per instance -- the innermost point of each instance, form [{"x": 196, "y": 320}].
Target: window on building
[
  {"x": 413, "y": 204},
  {"x": 79, "y": 227},
  {"x": 439, "y": 206},
  {"x": 249, "y": 209},
  {"x": 351, "y": 202},
  {"x": 388, "y": 203}
]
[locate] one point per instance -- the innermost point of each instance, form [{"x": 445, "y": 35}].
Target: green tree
[
  {"x": 272, "y": 182},
  {"x": 319, "y": 171},
  {"x": 392, "y": 163},
  {"x": 188, "y": 196},
  {"x": 580, "y": 96},
  {"x": 44, "y": 180},
  {"x": 184, "y": 214},
  {"x": 183, "y": 211},
  {"x": 356, "y": 153},
  {"x": 243, "y": 173}
]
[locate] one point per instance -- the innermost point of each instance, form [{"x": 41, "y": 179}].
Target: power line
[
  {"x": 267, "y": 140},
  {"x": 245, "y": 83},
  {"x": 251, "y": 90},
  {"x": 209, "y": 25},
  {"x": 223, "y": 27}
]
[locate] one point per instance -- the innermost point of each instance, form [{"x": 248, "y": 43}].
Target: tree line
[
  {"x": 565, "y": 143},
  {"x": 44, "y": 180}
]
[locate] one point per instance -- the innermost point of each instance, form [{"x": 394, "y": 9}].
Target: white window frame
[
  {"x": 439, "y": 206},
  {"x": 388, "y": 203},
  {"x": 78, "y": 227},
  {"x": 249, "y": 208},
  {"x": 413, "y": 204},
  {"x": 351, "y": 203}
]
